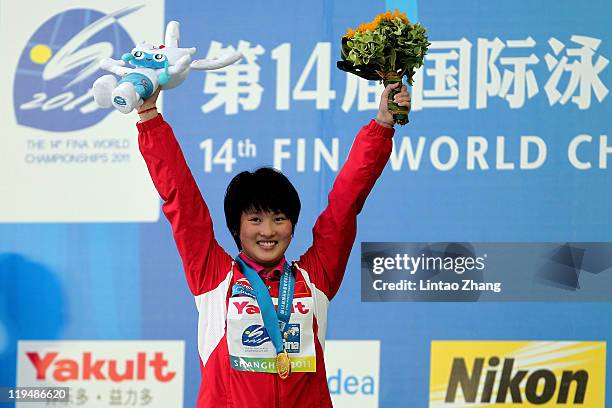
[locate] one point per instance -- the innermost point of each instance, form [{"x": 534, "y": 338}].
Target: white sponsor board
[
  {"x": 105, "y": 373},
  {"x": 63, "y": 159},
  {"x": 353, "y": 372}
]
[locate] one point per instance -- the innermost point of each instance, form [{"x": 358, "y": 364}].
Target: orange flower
[
  {"x": 388, "y": 16},
  {"x": 372, "y": 25},
  {"x": 401, "y": 16},
  {"x": 366, "y": 27}
]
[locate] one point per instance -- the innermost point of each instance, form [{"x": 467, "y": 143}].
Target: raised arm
[
  {"x": 335, "y": 230},
  {"x": 205, "y": 262}
]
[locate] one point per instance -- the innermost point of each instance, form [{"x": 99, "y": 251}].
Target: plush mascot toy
[{"x": 166, "y": 66}]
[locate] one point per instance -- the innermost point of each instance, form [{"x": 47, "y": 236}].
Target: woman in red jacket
[{"x": 262, "y": 319}]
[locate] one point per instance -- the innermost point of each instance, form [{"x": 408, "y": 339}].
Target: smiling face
[
  {"x": 154, "y": 60},
  {"x": 265, "y": 236},
  {"x": 155, "y": 57}
]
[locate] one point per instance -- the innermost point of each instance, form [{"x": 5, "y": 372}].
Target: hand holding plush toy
[{"x": 166, "y": 65}]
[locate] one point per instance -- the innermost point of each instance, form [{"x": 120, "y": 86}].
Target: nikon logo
[
  {"x": 540, "y": 386},
  {"x": 517, "y": 373}
]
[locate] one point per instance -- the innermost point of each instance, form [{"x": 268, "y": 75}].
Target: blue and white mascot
[{"x": 166, "y": 66}]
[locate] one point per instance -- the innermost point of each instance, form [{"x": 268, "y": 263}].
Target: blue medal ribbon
[{"x": 275, "y": 321}]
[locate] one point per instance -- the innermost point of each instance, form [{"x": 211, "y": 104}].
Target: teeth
[{"x": 267, "y": 243}]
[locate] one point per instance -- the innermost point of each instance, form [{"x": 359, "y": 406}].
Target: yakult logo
[
  {"x": 252, "y": 308},
  {"x": 99, "y": 371},
  {"x": 143, "y": 366},
  {"x": 56, "y": 70}
]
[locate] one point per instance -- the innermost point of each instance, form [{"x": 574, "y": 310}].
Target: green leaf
[
  {"x": 392, "y": 58},
  {"x": 392, "y": 46}
]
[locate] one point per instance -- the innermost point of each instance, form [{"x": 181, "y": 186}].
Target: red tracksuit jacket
[{"x": 231, "y": 344}]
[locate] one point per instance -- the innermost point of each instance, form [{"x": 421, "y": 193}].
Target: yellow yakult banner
[{"x": 517, "y": 374}]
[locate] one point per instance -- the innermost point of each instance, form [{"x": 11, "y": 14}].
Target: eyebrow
[{"x": 253, "y": 211}]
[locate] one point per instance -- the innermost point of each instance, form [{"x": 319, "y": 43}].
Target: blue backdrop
[{"x": 125, "y": 281}]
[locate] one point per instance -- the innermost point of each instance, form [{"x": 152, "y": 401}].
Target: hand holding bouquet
[{"x": 386, "y": 49}]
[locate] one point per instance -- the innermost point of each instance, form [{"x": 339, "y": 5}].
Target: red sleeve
[
  {"x": 335, "y": 229},
  {"x": 206, "y": 263}
]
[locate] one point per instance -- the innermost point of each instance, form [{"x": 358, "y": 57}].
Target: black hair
[{"x": 265, "y": 189}]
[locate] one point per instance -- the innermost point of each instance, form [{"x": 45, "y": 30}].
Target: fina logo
[
  {"x": 255, "y": 335},
  {"x": 57, "y": 68}
]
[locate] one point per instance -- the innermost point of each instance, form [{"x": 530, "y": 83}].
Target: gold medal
[{"x": 283, "y": 364}]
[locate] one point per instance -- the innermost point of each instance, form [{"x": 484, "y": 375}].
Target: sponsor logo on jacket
[
  {"x": 251, "y": 308},
  {"x": 255, "y": 335}
]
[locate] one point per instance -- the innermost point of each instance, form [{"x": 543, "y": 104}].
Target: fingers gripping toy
[{"x": 166, "y": 65}]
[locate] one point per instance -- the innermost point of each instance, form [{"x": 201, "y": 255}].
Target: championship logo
[
  {"x": 255, "y": 335},
  {"x": 517, "y": 374},
  {"x": 55, "y": 72}
]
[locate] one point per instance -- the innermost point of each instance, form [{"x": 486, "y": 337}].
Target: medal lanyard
[{"x": 275, "y": 322}]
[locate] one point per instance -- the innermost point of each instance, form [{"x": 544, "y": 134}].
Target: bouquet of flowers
[{"x": 387, "y": 48}]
